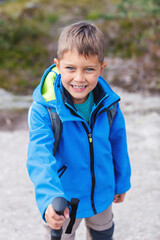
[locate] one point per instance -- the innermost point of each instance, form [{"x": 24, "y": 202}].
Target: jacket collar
[{"x": 98, "y": 94}]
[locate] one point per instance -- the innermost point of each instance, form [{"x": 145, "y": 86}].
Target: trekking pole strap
[{"x": 74, "y": 205}]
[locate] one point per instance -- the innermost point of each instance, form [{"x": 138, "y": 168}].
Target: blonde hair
[{"x": 86, "y": 38}]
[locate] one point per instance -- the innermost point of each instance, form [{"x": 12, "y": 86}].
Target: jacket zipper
[
  {"x": 92, "y": 171},
  {"x": 90, "y": 140}
]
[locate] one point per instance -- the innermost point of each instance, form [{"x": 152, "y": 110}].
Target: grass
[{"x": 29, "y": 33}]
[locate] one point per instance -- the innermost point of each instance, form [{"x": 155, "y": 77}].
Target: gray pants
[{"x": 99, "y": 222}]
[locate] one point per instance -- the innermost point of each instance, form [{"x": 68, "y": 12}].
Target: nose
[{"x": 79, "y": 76}]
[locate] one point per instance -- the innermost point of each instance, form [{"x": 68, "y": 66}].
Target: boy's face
[{"x": 79, "y": 74}]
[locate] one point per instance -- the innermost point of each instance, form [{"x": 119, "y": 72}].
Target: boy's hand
[
  {"x": 54, "y": 220},
  {"x": 119, "y": 198}
]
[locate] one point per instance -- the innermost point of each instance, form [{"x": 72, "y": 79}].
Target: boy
[{"x": 91, "y": 162}]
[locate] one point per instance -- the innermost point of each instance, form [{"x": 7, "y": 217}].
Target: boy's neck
[{"x": 85, "y": 108}]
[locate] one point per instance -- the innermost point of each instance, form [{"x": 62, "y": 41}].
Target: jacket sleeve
[
  {"x": 41, "y": 163},
  {"x": 120, "y": 153}
]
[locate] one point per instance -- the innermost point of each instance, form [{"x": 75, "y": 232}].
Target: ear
[
  {"x": 103, "y": 67},
  {"x": 57, "y": 64}
]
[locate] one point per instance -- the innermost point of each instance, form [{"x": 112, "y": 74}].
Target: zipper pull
[{"x": 90, "y": 137}]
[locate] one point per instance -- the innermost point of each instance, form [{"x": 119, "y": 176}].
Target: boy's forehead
[{"x": 72, "y": 55}]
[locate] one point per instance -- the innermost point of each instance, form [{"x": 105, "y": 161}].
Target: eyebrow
[
  {"x": 69, "y": 64},
  {"x": 86, "y": 66},
  {"x": 91, "y": 66}
]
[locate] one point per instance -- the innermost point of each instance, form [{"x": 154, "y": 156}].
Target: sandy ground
[{"x": 138, "y": 218}]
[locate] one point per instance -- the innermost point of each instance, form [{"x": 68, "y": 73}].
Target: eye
[
  {"x": 89, "y": 69},
  {"x": 70, "y": 68}
]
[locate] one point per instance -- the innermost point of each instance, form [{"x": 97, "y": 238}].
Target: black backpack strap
[
  {"x": 56, "y": 128},
  {"x": 111, "y": 112},
  {"x": 74, "y": 205}
]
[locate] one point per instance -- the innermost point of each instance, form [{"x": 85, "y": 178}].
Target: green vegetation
[{"x": 29, "y": 33}]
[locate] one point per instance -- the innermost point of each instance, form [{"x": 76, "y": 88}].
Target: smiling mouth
[{"x": 79, "y": 87}]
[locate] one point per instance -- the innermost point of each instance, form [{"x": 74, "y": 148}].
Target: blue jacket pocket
[{"x": 61, "y": 171}]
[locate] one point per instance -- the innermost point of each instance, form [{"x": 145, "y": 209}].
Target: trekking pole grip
[{"x": 59, "y": 204}]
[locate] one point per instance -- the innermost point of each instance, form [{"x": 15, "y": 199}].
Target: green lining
[{"x": 48, "y": 92}]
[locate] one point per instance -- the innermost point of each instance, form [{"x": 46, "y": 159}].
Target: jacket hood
[{"x": 46, "y": 94}]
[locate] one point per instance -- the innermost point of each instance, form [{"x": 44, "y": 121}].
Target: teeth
[{"x": 79, "y": 87}]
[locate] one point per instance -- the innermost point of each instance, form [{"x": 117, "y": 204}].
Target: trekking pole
[{"x": 59, "y": 204}]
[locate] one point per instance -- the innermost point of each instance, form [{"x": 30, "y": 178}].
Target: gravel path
[{"x": 138, "y": 218}]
